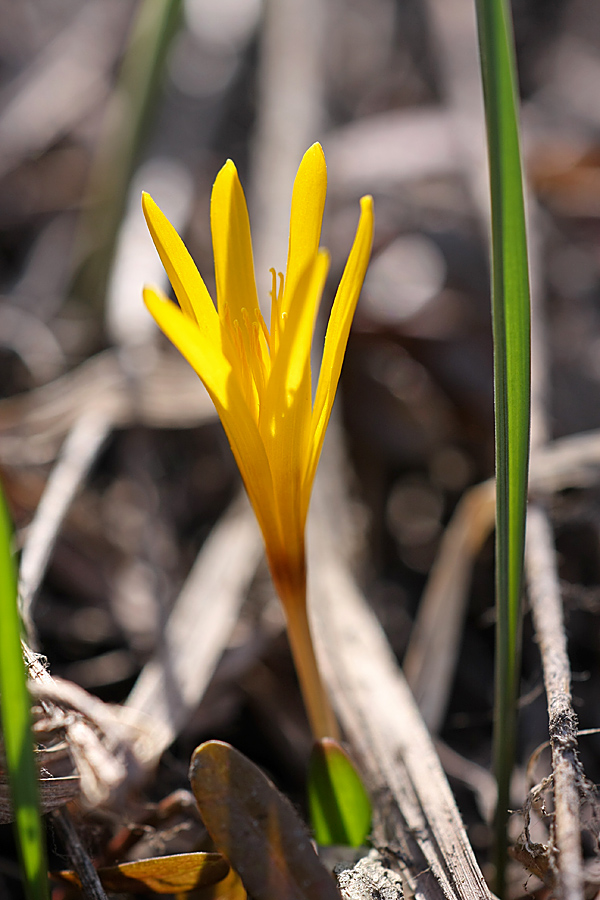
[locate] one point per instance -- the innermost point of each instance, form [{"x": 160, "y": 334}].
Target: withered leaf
[
  {"x": 161, "y": 874},
  {"x": 230, "y": 888},
  {"x": 536, "y": 859},
  {"x": 256, "y": 828}
]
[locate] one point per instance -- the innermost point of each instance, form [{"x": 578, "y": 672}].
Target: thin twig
[
  {"x": 546, "y": 606},
  {"x": 430, "y": 659},
  {"x": 77, "y": 456},
  {"x": 78, "y": 856}
]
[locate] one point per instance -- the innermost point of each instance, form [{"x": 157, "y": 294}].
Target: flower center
[{"x": 254, "y": 347}]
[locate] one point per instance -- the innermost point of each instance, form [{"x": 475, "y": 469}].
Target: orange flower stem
[{"x": 322, "y": 720}]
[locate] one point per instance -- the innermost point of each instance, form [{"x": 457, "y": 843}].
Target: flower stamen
[{"x": 276, "y": 296}]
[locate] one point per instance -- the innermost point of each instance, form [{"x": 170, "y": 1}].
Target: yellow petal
[
  {"x": 292, "y": 360},
  {"x": 232, "y": 245},
  {"x": 221, "y": 383},
  {"x": 187, "y": 282},
  {"x": 308, "y": 203},
  {"x": 336, "y": 337},
  {"x": 204, "y": 357},
  {"x": 286, "y": 414}
]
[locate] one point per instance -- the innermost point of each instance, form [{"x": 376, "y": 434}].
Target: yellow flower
[{"x": 259, "y": 378}]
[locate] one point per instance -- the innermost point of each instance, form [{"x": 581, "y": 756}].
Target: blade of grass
[
  {"x": 511, "y": 324},
  {"x": 16, "y": 726},
  {"x": 340, "y": 808},
  {"x": 126, "y": 122}
]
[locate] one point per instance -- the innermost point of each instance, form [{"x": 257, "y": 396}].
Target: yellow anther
[
  {"x": 273, "y": 285},
  {"x": 276, "y": 297}
]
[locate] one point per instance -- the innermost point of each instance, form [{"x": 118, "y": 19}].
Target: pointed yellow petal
[
  {"x": 289, "y": 382},
  {"x": 336, "y": 337},
  {"x": 293, "y": 354},
  {"x": 202, "y": 354},
  {"x": 286, "y": 419},
  {"x": 308, "y": 203},
  {"x": 217, "y": 376},
  {"x": 187, "y": 282},
  {"x": 232, "y": 245}
]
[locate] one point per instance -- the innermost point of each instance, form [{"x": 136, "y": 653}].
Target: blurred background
[{"x": 101, "y": 99}]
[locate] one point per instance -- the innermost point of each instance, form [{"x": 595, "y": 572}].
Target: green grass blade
[
  {"x": 340, "y": 809},
  {"x": 511, "y": 323},
  {"x": 16, "y": 726},
  {"x": 130, "y": 110}
]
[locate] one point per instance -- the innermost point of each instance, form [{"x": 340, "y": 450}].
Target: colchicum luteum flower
[{"x": 259, "y": 378}]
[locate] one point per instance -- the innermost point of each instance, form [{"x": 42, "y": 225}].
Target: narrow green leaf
[
  {"x": 511, "y": 323},
  {"x": 16, "y": 726},
  {"x": 153, "y": 27},
  {"x": 340, "y": 809}
]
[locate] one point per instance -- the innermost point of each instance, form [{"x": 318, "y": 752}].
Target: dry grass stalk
[{"x": 568, "y": 779}]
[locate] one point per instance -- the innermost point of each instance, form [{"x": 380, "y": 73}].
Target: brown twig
[
  {"x": 431, "y": 656},
  {"x": 78, "y": 856},
  {"x": 77, "y": 456},
  {"x": 568, "y": 776}
]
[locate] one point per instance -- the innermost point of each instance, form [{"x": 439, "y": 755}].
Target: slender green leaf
[
  {"x": 132, "y": 103},
  {"x": 511, "y": 323},
  {"x": 340, "y": 809},
  {"x": 16, "y": 726}
]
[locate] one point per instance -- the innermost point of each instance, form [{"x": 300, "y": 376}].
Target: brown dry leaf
[
  {"x": 256, "y": 827},
  {"x": 536, "y": 859},
  {"x": 230, "y": 888},
  {"x": 166, "y": 875}
]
